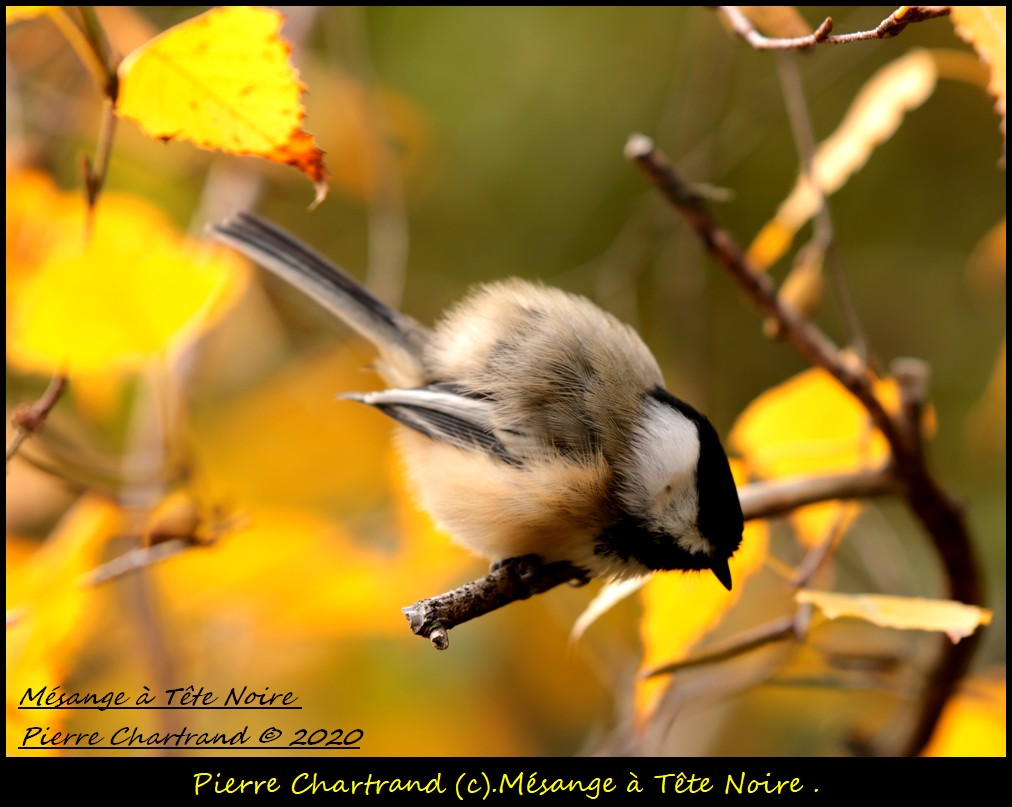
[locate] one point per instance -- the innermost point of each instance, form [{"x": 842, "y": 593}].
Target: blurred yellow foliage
[
  {"x": 49, "y": 610},
  {"x": 16, "y": 13},
  {"x": 974, "y": 722},
  {"x": 984, "y": 28},
  {"x": 807, "y": 425},
  {"x": 810, "y": 425},
  {"x": 295, "y": 574},
  {"x": 223, "y": 80},
  {"x": 289, "y": 442},
  {"x": 113, "y": 300}
]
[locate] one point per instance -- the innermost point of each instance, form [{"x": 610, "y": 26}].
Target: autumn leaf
[
  {"x": 610, "y": 595},
  {"x": 873, "y": 117},
  {"x": 802, "y": 289},
  {"x": 51, "y": 611},
  {"x": 223, "y": 80},
  {"x": 807, "y": 426},
  {"x": 984, "y": 28},
  {"x": 132, "y": 290},
  {"x": 955, "y": 619}
]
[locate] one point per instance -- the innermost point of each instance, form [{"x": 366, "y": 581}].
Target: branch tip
[
  {"x": 440, "y": 638},
  {"x": 913, "y": 377},
  {"x": 638, "y": 146},
  {"x": 824, "y": 30}
]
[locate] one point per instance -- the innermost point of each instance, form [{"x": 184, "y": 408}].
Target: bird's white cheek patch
[{"x": 666, "y": 451}]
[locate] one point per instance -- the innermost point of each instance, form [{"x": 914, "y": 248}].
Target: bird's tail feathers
[{"x": 399, "y": 338}]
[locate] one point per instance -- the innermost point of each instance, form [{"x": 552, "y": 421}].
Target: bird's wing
[{"x": 442, "y": 412}]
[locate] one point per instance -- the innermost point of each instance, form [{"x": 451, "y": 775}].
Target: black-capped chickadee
[{"x": 536, "y": 423}]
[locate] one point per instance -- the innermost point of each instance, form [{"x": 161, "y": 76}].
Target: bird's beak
[{"x": 722, "y": 572}]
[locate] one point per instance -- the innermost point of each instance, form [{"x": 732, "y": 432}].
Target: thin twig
[
  {"x": 818, "y": 554},
  {"x": 83, "y": 45},
  {"x": 777, "y": 630},
  {"x": 888, "y": 28},
  {"x": 823, "y": 235},
  {"x": 769, "y": 499},
  {"x": 29, "y": 418},
  {"x": 99, "y": 44},
  {"x": 136, "y": 559},
  {"x": 389, "y": 239},
  {"x": 96, "y": 170},
  {"x": 89, "y": 43},
  {"x": 163, "y": 547},
  {"x": 912, "y": 376}
]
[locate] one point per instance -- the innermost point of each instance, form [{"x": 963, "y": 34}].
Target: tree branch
[
  {"x": 941, "y": 517},
  {"x": 777, "y": 630},
  {"x": 888, "y": 28},
  {"x": 89, "y": 42},
  {"x": 511, "y": 580},
  {"x": 769, "y": 499}
]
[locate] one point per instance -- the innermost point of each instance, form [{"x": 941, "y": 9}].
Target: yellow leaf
[
  {"x": 955, "y": 619},
  {"x": 223, "y": 80},
  {"x": 984, "y": 28},
  {"x": 973, "y": 723},
  {"x": 802, "y": 288},
  {"x": 807, "y": 426},
  {"x": 679, "y": 609},
  {"x": 132, "y": 291},
  {"x": 873, "y": 117},
  {"x": 52, "y": 610},
  {"x": 610, "y": 595}
]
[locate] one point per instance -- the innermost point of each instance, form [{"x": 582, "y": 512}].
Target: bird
[{"x": 532, "y": 422}]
